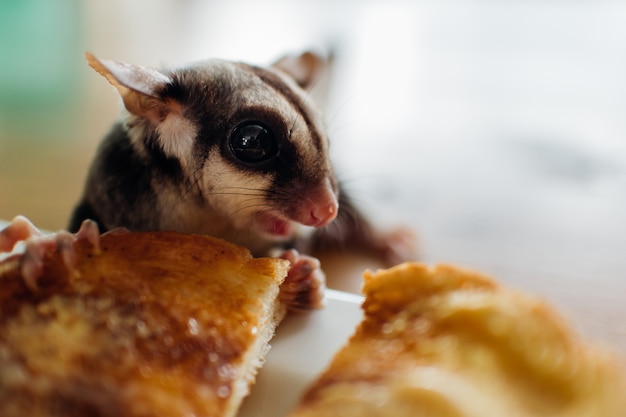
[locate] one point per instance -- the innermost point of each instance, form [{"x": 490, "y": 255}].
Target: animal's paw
[
  {"x": 304, "y": 286},
  {"x": 397, "y": 246},
  {"x": 36, "y": 244}
]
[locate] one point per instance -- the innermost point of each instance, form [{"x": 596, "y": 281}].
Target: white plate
[{"x": 302, "y": 348}]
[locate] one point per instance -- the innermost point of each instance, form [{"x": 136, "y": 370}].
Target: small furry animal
[
  {"x": 225, "y": 149},
  {"x": 218, "y": 148}
]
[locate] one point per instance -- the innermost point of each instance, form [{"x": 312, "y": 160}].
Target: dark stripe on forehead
[{"x": 278, "y": 85}]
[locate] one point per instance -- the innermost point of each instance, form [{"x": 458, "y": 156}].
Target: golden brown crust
[
  {"x": 447, "y": 342},
  {"x": 155, "y": 324}
]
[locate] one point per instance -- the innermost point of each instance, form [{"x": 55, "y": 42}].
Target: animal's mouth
[
  {"x": 275, "y": 224},
  {"x": 317, "y": 208}
]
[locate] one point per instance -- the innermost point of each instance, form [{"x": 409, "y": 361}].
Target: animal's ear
[
  {"x": 141, "y": 88},
  {"x": 138, "y": 86},
  {"x": 305, "y": 68}
]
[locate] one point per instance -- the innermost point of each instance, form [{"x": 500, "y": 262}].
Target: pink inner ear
[
  {"x": 122, "y": 76},
  {"x": 138, "y": 86},
  {"x": 151, "y": 108},
  {"x": 304, "y": 68},
  {"x": 143, "y": 80}
]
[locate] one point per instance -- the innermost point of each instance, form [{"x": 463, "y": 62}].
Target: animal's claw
[
  {"x": 304, "y": 286},
  {"x": 37, "y": 244}
]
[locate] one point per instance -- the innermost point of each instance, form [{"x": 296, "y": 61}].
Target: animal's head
[{"x": 247, "y": 139}]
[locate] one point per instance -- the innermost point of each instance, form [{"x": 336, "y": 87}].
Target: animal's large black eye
[{"x": 253, "y": 143}]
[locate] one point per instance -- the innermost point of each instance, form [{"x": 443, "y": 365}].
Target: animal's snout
[
  {"x": 322, "y": 215},
  {"x": 320, "y": 206}
]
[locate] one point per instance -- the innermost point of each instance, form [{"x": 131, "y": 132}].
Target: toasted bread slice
[
  {"x": 152, "y": 324},
  {"x": 447, "y": 342}
]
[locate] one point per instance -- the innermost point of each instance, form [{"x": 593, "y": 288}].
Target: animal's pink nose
[
  {"x": 324, "y": 214},
  {"x": 319, "y": 207}
]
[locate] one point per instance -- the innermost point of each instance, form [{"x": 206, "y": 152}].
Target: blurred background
[{"x": 496, "y": 130}]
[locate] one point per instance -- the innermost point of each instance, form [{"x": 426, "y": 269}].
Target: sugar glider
[{"x": 230, "y": 150}]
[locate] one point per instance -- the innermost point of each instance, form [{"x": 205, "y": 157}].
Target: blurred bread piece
[
  {"x": 444, "y": 342},
  {"x": 154, "y": 324}
]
